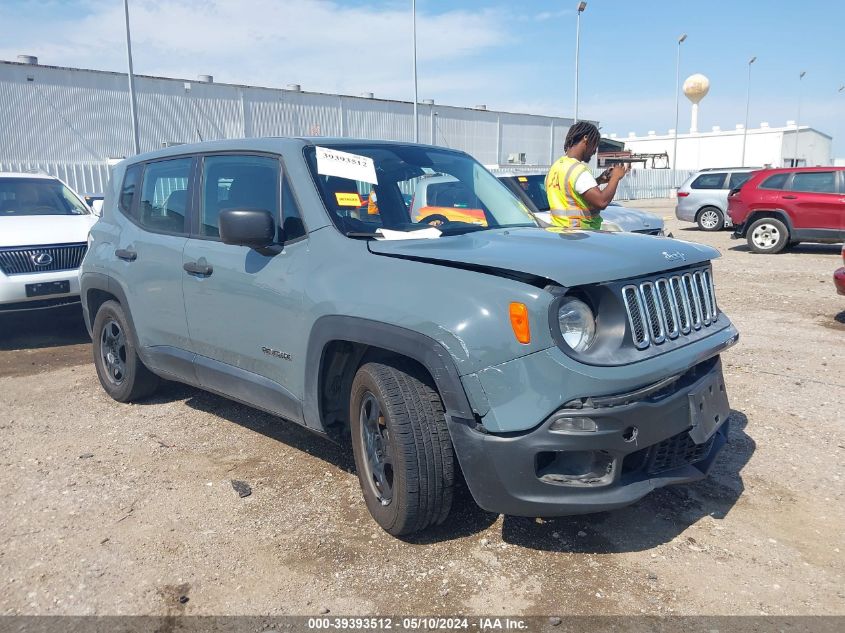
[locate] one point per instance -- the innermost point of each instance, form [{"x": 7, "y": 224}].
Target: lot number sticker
[
  {"x": 331, "y": 162},
  {"x": 348, "y": 199}
]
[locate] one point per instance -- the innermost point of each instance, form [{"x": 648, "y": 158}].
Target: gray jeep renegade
[{"x": 562, "y": 372}]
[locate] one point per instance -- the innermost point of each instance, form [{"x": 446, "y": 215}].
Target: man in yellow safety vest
[{"x": 575, "y": 200}]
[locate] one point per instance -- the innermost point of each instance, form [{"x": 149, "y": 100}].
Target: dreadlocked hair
[{"x": 578, "y": 131}]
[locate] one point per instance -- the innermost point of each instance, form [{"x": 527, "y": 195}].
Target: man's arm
[{"x": 598, "y": 199}]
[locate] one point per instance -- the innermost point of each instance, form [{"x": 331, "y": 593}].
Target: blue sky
[{"x": 509, "y": 55}]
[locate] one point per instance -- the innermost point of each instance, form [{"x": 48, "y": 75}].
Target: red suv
[{"x": 777, "y": 208}]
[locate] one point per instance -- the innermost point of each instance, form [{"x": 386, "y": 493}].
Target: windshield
[
  {"x": 395, "y": 191},
  {"x": 38, "y": 196}
]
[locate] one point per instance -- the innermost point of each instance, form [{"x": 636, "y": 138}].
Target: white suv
[{"x": 43, "y": 236}]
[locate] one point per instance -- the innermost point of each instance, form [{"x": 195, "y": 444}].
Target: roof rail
[{"x": 724, "y": 168}]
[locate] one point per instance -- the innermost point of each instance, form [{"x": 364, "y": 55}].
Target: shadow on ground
[
  {"x": 656, "y": 519},
  {"x": 37, "y": 329},
  {"x": 465, "y": 519},
  {"x": 810, "y": 249}
]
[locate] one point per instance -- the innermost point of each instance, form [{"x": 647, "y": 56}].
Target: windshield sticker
[
  {"x": 420, "y": 234},
  {"x": 331, "y": 162},
  {"x": 348, "y": 199},
  {"x": 522, "y": 179}
]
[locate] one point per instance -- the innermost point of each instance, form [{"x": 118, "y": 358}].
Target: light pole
[
  {"x": 133, "y": 105},
  {"x": 581, "y": 7},
  {"x": 747, "y": 102},
  {"x": 677, "y": 97},
  {"x": 416, "y": 99},
  {"x": 798, "y": 117}
]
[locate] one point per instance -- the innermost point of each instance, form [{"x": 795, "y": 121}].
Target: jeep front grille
[
  {"x": 36, "y": 259},
  {"x": 669, "y": 307}
]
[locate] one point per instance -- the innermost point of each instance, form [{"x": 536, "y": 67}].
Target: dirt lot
[{"x": 130, "y": 509}]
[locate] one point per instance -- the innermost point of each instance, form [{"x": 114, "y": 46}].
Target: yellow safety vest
[{"x": 568, "y": 208}]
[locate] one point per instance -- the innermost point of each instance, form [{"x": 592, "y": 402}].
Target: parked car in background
[
  {"x": 440, "y": 198},
  {"x": 703, "y": 197},
  {"x": 236, "y": 267},
  {"x": 43, "y": 237},
  {"x": 531, "y": 188},
  {"x": 777, "y": 208},
  {"x": 839, "y": 276}
]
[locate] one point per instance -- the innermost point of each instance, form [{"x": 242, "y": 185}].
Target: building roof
[
  {"x": 306, "y": 92},
  {"x": 729, "y": 132}
]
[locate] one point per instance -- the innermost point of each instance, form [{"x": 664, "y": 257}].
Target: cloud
[{"x": 325, "y": 45}]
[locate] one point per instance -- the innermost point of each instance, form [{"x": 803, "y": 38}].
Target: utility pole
[
  {"x": 416, "y": 96},
  {"x": 747, "y": 102},
  {"x": 133, "y": 104},
  {"x": 580, "y": 9},
  {"x": 798, "y": 118},
  {"x": 677, "y": 97}
]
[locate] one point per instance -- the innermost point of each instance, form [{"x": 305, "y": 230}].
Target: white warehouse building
[
  {"x": 72, "y": 122},
  {"x": 765, "y": 147}
]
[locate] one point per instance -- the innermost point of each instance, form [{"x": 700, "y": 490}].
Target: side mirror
[{"x": 254, "y": 228}]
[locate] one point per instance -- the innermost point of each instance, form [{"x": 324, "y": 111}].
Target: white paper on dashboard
[
  {"x": 331, "y": 162},
  {"x": 421, "y": 234}
]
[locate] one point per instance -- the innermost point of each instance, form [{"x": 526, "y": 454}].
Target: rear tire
[
  {"x": 710, "y": 219},
  {"x": 403, "y": 452},
  {"x": 767, "y": 235},
  {"x": 122, "y": 374}
]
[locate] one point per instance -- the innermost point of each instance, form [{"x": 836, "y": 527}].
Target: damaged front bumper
[{"x": 598, "y": 454}]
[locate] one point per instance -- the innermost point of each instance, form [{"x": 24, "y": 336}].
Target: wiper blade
[
  {"x": 361, "y": 234},
  {"x": 458, "y": 230}
]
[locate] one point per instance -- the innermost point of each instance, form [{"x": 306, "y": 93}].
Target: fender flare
[
  {"x": 419, "y": 347},
  {"x": 98, "y": 281},
  {"x": 778, "y": 214}
]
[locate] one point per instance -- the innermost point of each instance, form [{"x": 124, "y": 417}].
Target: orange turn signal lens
[{"x": 519, "y": 322}]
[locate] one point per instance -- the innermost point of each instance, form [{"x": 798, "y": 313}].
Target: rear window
[
  {"x": 38, "y": 196},
  {"x": 709, "y": 181},
  {"x": 776, "y": 181},
  {"x": 738, "y": 179},
  {"x": 815, "y": 182}
]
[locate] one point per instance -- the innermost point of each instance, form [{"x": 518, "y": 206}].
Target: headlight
[
  {"x": 611, "y": 227},
  {"x": 577, "y": 324}
]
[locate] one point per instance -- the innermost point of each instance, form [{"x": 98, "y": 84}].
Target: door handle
[
  {"x": 789, "y": 197},
  {"x": 126, "y": 255},
  {"x": 198, "y": 268}
]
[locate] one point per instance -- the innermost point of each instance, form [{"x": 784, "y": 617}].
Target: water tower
[{"x": 696, "y": 88}]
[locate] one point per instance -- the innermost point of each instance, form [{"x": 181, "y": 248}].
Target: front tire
[
  {"x": 122, "y": 374},
  {"x": 767, "y": 235},
  {"x": 710, "y": 219},
  {"x": 403, "y": 452}
]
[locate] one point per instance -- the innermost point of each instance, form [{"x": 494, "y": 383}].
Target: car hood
[
  {"x": 629, "y": 219},
  {"x": 570, "y": 258},
  {"x": 41, "y": 230}
]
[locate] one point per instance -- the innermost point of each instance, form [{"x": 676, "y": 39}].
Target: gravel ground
[{"x": 130, "y": 509}]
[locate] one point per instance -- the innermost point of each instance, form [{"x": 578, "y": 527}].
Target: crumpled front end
[{"x": 597, "y": 454}]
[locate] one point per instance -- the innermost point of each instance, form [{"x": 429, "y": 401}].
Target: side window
[
  {"x": 164, "y": 195},
  {"x": 291, "y": 217},
  {"x": 709, "y": 181},
  {"x": 131, "y": 178},
  {"x": 738, "y": 179},
  {"x": 237, "y": 182},
  {"x": 815, "y": 182},
  {"x": 776, "y": 181}
]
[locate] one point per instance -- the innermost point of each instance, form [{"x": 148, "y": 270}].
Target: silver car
[
  {"x": 703, "y": 198},
  {"x": 531, "y": 187}
]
